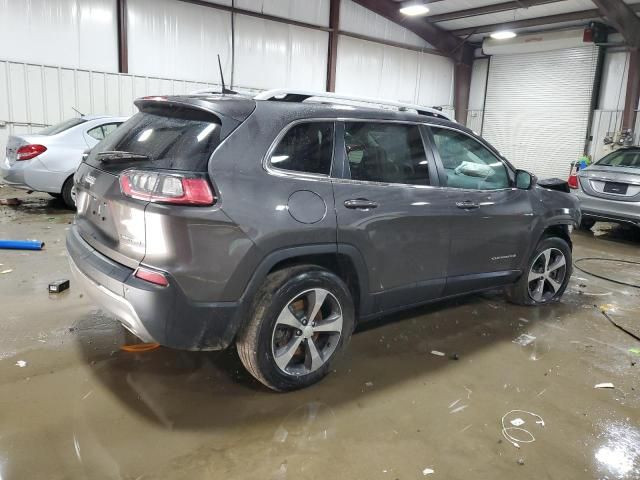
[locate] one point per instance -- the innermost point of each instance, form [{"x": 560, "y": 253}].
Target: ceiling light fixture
[
  {"x": 503, "y": 35},
  {"x": 413, "y": 9}
]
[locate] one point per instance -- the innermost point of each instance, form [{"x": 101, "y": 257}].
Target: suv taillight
[
  {"x": 27, "y": 152},
  {"x": 173, "y": 188}
]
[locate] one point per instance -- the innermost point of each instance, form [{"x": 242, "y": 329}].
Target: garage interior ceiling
[{"x": 475, "y": 19}]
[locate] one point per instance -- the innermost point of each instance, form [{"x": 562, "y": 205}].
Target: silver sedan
[
  {"x": 609, "y": 190},
  {"x": 46, "y": 161}
]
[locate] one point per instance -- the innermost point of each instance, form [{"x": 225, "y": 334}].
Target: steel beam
[
  {"x": 462, "y": 89},
  {"x": 123, "y": 47},
  {"x": 332, "y": 58},
  {"x": 633, "y": 91},
  {"x": 441, "y": 39},
  {"x": 623, "y": 18},
  {"x": 487, "y": 9},
  {"x": 531, "y": 22},
  {"x": 249, "y": 13}
]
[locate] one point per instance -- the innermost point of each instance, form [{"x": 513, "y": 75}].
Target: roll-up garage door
[{"x": 537, "y": 107}]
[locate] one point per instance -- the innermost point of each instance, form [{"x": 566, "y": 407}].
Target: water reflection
[{"x": 620, "y": 454}]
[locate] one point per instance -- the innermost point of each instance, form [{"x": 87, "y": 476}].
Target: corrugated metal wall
[
  {"x": 538, "y": 105},
  {"x": 33, "y": 96},
  {"x": 70, "y": 58}
]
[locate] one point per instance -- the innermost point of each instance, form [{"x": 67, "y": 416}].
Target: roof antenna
[
  {"x": 77, "y": 111},
  {"x": 225, "y": 90}
]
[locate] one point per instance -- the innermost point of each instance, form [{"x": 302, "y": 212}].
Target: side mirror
[
  {"x": 525, "y": 180},
  {"x": 85, "y": 154}
]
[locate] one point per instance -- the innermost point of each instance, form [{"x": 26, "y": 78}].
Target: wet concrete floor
[{"x": 73, "y": 406}]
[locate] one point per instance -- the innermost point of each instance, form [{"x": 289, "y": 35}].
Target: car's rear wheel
[
  {"x": 68, "y": 193},
  {"x": 548, "y": 273},
  {"x": 301, "y": 319}
]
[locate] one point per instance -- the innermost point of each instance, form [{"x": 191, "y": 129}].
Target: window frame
[
  {"x": 440, "y": 166},
  {"x": 434, "y": 176},
  {"x": 281, "y": 172}
]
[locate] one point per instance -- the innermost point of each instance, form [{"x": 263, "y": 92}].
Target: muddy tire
[
  {"x": 547, "y": 274},
  {"x": 301, "y": 320},
  {"x": 67, "y": 194}
]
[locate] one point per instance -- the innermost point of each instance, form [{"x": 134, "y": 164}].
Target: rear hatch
[
  {"x": 614, "y": 177},
  {"x": 175, "y": 134}
]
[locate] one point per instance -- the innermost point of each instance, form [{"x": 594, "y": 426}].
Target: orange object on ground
[{"x": 140, "y": 347}]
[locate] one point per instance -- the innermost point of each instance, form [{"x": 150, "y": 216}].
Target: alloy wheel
[
  {"x": 307, "y": 332},
  {"x": 547, "y": 274}
]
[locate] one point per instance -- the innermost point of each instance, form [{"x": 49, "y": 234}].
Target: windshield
[
  {"x": 629, "y": 159},
  {"x": 180, "y": 142},
  {"x": 61, "y": 127}
]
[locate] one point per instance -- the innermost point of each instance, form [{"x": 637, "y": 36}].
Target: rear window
[
  {"x": 621, "y": 159},
  {"x": 177, "y": 142},
  {"x": 61, "y": 127}
]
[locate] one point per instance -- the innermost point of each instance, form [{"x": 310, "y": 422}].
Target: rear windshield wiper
[{"x": 119, "y": 156}]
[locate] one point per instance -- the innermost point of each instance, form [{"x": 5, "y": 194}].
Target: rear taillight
[
  {"x": 151, "y": 276},
  {"x": 27, "y": 152},
  {"x": 573, "y": 176},
  {"x": 573, "y": 181},
  {"x": 173, "y": 188}
]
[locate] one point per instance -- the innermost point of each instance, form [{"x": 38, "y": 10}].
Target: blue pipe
[{"x": 21, "y": 244}]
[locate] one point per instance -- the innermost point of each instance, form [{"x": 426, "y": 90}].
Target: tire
[
  {"x": 276, "y": 347},
  {"x": 587, "y": 223},
  {"x": 554, "y": 280},
  {"x": 67, "y": 195}
]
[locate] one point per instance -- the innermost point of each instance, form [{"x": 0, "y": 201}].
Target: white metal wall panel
[
  {"x": 32, "y": 96},
  {"x": 538, "y": 105},
  {"x": 435, "y": 81},
  {"x": 375, "y": 70},
  {"x": 615, "y": 71},
  {"x": 174, "y": 39},
  {"x": 72, "y": 33},
  {"x": 274, "y": 55},
  {"x": 315, "y": 12},
  {"x": 355, "y": 18}
]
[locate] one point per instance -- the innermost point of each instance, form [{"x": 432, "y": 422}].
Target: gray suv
[{"x": 277, "y": 224}]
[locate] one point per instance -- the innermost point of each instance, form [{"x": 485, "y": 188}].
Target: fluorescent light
[
  {"x": 414, "y": 9},
  {"x": 503, "y": 35}
]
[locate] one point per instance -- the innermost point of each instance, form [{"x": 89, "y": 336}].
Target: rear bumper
[
  {"x": 31, "y": 175},
  {"x": 608, "y": 210},
  {"x": 154, "y": 314}
]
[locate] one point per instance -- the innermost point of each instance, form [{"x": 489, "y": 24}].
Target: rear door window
[
  {"x": 102, "y": 131},
  {"x": 305, "y": 148},
  {"x": 386, "y": 152},
  {"x": 181, "y": 142}
]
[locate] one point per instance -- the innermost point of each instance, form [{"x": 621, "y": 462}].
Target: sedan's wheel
[
  {"x": 307, "y": 332},
  {"x": 69, "y": 193},
  {"x": 301, "y": 319},
  {"x": 547, "y": 274}
]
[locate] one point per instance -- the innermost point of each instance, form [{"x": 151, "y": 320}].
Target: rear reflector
[
  {"x": 150, "y": 276},
  {"x": 172, "y": 188},
  {"x": 27, "y": 152}
]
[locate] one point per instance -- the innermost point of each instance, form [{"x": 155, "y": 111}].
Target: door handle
[
  {"x": 360, "y": 204},
  {"x": 467, "y": 205}
]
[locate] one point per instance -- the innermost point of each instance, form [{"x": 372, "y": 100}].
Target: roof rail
[{"x": 286, "y": 95}]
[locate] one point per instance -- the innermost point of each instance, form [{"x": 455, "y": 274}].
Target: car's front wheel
[
  {"x": 547, "y": 275},
  {"x": 68, "y": 193},
  {"x": 301, "y": 319}
]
